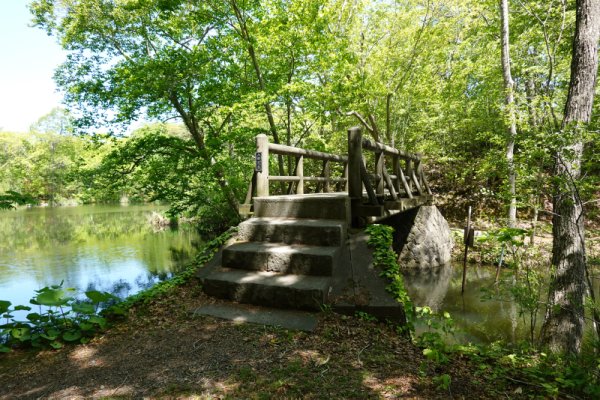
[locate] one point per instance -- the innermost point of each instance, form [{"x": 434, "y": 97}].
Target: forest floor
[{"x": 162, "y": 351}]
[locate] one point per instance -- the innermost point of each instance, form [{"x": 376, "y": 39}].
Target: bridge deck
[{"x": 327, "y": 205}]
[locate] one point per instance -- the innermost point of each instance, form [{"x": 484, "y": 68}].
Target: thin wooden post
[
  {"x": 327, "y": 175},
  {"x": 379, "y": 161},
  {"x": 414, "y": 177},
  {"x": 355, "y": 160},
  {"x": 467, "y": 234},
  {"x": 395, "y": 168},
  {"x": 407, "y": 188},
  {"x": 409, "y": 174},
  {"x": 390, "y": 185},
  {"x": 300, "y": 174},
  {"x": 345, "y": 175},
  {"x": 262, "y": 165},
  {"x": 353, "y": 173}
]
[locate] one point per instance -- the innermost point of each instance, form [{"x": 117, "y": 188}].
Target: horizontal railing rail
[{"x": 397, "y": 176}]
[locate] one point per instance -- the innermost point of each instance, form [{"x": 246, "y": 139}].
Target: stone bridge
[{"x": 306, "y": 251}]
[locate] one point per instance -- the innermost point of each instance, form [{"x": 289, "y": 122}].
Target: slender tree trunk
[
  {"x": 512, "y": 120},
  {"x": 261, "y": 83},
  {"x": 195, "y": 131},
  {"x": 388, "y": 120},
  {"x": 562, "y": 330}
]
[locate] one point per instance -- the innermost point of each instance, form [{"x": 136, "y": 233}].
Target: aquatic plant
[{"x": 60, "y": 318}]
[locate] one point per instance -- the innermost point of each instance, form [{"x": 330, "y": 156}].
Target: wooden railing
[
  {"x": 404, "y": 187},
  {"x": 264, "y": 149}
]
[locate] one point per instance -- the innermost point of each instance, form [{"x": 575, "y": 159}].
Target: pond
[
  {"x": 477, "y": 318},
  {"x": 93, "y": 247}
]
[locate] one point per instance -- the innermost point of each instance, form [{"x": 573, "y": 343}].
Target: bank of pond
[{"x": 116, "y": 249}]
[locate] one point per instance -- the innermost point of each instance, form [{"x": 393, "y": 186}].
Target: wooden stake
[{"x": 467, "y": 234}]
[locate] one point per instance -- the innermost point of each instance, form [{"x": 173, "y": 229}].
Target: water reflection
[
  {"x": 107, "y": 248},
  {"x": 478, "y": 320}
]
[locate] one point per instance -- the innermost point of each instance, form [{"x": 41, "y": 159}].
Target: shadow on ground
[{"x": 162, "y": 351}]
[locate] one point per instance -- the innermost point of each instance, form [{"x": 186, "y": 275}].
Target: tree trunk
[
  {"x": 562, "y": 330},
  {"x": 261, "y": 83},
  {"x": 510, "y": 107},
  {"x": 191, "y": 123}
]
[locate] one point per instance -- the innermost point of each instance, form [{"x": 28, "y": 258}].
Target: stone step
[
  {"x": 268, "y": 288},
  {"x": 281, "y": 258},
  {"x": 325, "y": 232},
  {"x": 248, "y": 313},
  {"x": 315, "y": 206}
]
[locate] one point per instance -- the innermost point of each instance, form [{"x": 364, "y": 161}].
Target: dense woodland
[{"x": 480, "y": 88}]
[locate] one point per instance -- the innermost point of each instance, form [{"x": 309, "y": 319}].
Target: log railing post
[
  {"x": 395, "y": 168},
  {"x": 300, "y": 175},
  {"x": 415, "y": 178},
  {"x": 355, "y": 160},
  {"x": 379, "y": 166},
  {"x": 409, "y": 174},
  {"x": 353, "y": 171},
  {"x": 327, "y": 176},
  {"x": 262, "y": 165}
]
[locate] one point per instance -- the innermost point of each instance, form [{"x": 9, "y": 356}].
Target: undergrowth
[{"x": 524, "y": 367}]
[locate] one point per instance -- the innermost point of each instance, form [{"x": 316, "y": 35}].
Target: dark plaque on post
[{"x": 258, "y": 162}]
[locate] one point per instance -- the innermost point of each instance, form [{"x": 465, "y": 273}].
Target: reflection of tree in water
[
  {"x": 180, "y": 256},
  {"x": 59, "y": 226},
  {"x": 144, "y": 282},
  {"x": 80, "y": 244},
  {"x": 121, "y": 289},
  {"x": 428, "y": 286}
]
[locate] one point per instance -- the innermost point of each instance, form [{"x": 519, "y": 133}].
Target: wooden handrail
[
  {"x": 297, "y": 151},
  {"x": 387, "y": 150},
  {"x": 394, "y": 181},
  {"x": 406, "y": 173},
  {"x": 264, "y": 148}
]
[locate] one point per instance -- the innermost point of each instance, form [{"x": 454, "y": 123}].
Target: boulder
[{"x": 422, "y": 238}]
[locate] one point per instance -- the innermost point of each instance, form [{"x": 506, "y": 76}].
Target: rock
[{"x": 422, "y": 238}]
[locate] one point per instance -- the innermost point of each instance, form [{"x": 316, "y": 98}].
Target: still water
[
  {"x": 107, "y": 248},
  {"x": 477, "y": 318}
]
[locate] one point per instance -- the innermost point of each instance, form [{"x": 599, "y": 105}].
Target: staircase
[{"x": 285, "y": 255}]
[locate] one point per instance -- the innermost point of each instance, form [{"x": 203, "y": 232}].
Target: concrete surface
[{"x": 243, "y": 313}]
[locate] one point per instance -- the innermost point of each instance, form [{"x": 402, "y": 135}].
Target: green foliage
[
  {"x": 42, "y": 166},
  {"x": 525, "y": 283},
  {"x": 538, "y": 373},
  {"x": 158, "y": 162},
  {"x": 384, "y": 258},
  {"x": 60, "y": 318},
  {"x": 63, "y": 319},
  {"x": 11, "y": 198}
]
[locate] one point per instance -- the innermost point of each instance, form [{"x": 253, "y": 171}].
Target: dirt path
[{"x": 161, "y": 351}]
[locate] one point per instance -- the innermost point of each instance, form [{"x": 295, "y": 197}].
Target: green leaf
[
  {"x": 98, "y": 320},
  {"x": 71, "y": 336},
  {"x": 56, "y": 345},
  {"x": 49, "y": 336},
  {"x": 83, "y": 308},
  {"x": 100, "y": 297},
  {"x": 4, "y": 348},
  {"x": 21, "y": 334},
  {"x": 33, "y": 317},
  {"x": 53, "y": 297},
  {"x": 22, "y": 308},
  {"x": 86, "y": 326},
  {"x": 4, "y": 306}
]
